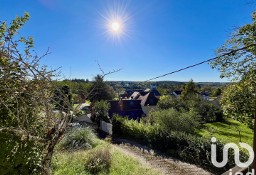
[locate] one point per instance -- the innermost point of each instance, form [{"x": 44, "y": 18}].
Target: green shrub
[
  {"x": 166, "y": 102},
  {"x": 79, "y": 138},
  {"x": 172, "y": 120},
  {"x": 99, "y": 160},
  {"x": 100, "y": 111},
  {"x": 117, "y": 124},
  {"x": 207, "y": 110}
]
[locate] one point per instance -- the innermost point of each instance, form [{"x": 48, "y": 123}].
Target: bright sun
[
  {"x": 116, "y": 21},
  {"x": 115, "y": 26}
]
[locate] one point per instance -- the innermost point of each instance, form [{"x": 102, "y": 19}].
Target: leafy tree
[
  {"x": 167, "y": 102},
  {"x": 189, "y": 90},
  {"x": 216, "y": 92},
  {"x": 239, "y": 102},
  {"x": 29, "y": 129},
  {"x": 78, "y": 88},
  {"x": 207, "y": 110},
  {"x": 237, "y": 61},
  {"x": 100, "y": 90}
]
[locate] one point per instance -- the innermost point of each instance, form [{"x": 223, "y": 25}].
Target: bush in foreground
[{"x": 99, "y": 160}]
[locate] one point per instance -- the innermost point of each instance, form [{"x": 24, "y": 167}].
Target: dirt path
[{"x": 167, "y": 166}]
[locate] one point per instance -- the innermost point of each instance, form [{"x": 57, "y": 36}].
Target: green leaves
[
  {"x": 172, "y": 120},
  {"x": 25, "y": 93},
  {"x": 235, "y": 65},
  {"x": 238, "y": 99},
  {"x": 101, "y": 109},
  {"x": 17, "y": 23}
]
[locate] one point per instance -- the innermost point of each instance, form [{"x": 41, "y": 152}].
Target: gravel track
[{"x": 166, "y": 166}]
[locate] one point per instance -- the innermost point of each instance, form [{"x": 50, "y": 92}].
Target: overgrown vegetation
[
  {"x": 187, "y": 147},
  {"x": 101, "y": 159},
  {"x": 26, "y": 107},
  {"x": 172, "y": 120},
  {"x": 70, "y": 163},
  {"x": 98, "y": 161},
  {"x": 29, "y": 98},
  {"x": 207, "y": 111},
  {"x": 79, "y": 138}
]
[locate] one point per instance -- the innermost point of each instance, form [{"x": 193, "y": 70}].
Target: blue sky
[{"x": 157, "y": 36}]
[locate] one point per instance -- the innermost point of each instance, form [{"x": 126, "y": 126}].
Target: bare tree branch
[{"x": 108, "y": 73}]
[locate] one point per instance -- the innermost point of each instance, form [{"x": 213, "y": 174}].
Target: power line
[{"x": 211, "y": 59}]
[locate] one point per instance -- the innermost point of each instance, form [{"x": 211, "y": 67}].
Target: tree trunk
[{"x": 46, "y": 162}]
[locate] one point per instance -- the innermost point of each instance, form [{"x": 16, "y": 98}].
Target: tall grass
[
  {"x": 74, "y": 156},
  {"x": 70, "y": 163}
]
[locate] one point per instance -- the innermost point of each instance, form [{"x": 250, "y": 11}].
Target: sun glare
[
  {"x": 116, "y": 21},
  {"x": 115, "y": 26}
]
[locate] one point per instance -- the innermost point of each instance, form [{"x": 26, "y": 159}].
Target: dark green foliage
[
  {"x": 216, "y": 92},
  {"x": 186, "y": 147},
  {"x": 207, "y": 110},
  {"x": 117, "y": 123},
  {"x": 100, "y": 111},
  {"x": 78, "y": 88},
  {"x": 62, "y": 98},
  {"x": 100, "y": 90},
  {"x": 78, "y": 138},
  {"x": 18, "y": 155},
  {"x": 167, "y": 102},
  {"x": 99, "y": 161}
]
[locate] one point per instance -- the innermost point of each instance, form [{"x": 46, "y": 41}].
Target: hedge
[{"x": 186, "y": 147}]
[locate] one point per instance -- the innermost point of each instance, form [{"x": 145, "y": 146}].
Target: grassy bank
[
  {"x": 227, "y": 131},
  {"x": 70, "y": 163},
  {"x": 81, "y": 152}
]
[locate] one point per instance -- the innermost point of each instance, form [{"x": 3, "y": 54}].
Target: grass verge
[
  {"x": 227, "y": 131},
  {"x": 70, "y": 163},
  {"x": 74, "y": 156}
]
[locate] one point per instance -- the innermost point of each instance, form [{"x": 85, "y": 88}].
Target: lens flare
[
  {"x": 115, "y": 21},
  {"x": 115, "y": 26}
]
